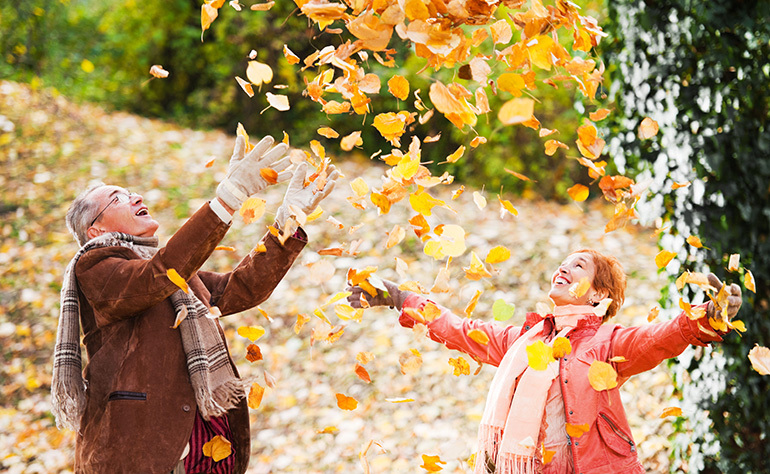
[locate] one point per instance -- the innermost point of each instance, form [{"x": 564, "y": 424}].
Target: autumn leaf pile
[{"x": 329, "y": 398}]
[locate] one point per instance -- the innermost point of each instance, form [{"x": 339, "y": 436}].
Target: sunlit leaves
[
  {"x": 453, "y": 104},
  {"x": 362, "y": 373},
  {"x": 602, "y": 376},
  {"x": 277, "y": 101},
  {"x": 498, "y": 254},
  {"x": 476, "y": 270},
  {"x": 218, "y": 448},
  {"x": 423, "y": 202},
  {"x": 561, "y": 347},
  {"x": 552, "y": 145},
  {"x": 157, "y": 71},
  {"x": 451, "y": 242},
  {"x": 579, "y": 288},
  {"x": 760, "y": 359},
  {"x": 253, "y": 353},
  {"x": 748, "y": 281},
  {"x": 734, "y": 262},
  {"x": 576, "y": 431},
  {"x": 398, "y": 87}
]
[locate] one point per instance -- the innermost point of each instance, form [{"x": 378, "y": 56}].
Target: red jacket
[{"x": 607, "y": 447}]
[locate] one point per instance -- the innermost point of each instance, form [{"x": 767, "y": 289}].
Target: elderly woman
[{"x": 548, "y": 417}]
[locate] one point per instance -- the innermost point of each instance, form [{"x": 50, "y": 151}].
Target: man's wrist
[{"x": 222, "y": 210}]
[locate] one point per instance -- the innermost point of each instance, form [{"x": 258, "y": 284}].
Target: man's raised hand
[
  {"x": 244, "y": 173},
  {"x": 301, "y": 198}
]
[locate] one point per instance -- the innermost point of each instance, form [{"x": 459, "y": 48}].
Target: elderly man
[{"x": 153, "y": 393}]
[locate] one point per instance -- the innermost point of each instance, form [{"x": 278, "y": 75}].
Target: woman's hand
[
  {"x": 393, "y": 297},
  {"x": 734, "y": 298}
]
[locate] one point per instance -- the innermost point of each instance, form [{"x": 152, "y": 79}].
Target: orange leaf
[
  {"x": 460, "y": 365},
  {"x": 694, "y": 241},
  {"x": 349, "y": 141},
  {"x": 362, "y": 374},
  {"x": 328, "y": 132},
  {"x": 617, "y": 359},
  {"x": 748, "y": 281},
  {"x": 253, "y": 353},
  {"x": 599, "y": 115},
  {"x": 552, "y": 145},
  {"x": 346, "y": 403},
  {"x": 217, "y": 448},
  {"x": 576, "y": 431},
  {"x": 398, "y": 87},
  {"x": 157, "y": 71},
  {"x": 602, "y": 376},
  {"x": 653, "y": 314},
  {"x": 760, "y": 359},
  {"x": 663, "y": 258},
  {"x": 671, "y": 411},
  {"x": 479, "y": 336},
  {"x": 476, "y": 270},
  {"x": 648, "y": 128},
  {"x": 255, "y": 395},
  {"x": 561, "y": 347},
  {"x": 472, "y": 303},
  {"x": 734, "y": 262},
  {"x": 578, "y": 192},
  {"x": 253, "y": 208},
  {"x": 177, "y": 280},
  {"x": 456, "y": 155},
  {"x": 431, "y": 463},
  {"x": 516, "y": 110}
]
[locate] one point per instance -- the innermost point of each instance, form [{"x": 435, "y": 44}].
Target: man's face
[
  {"x": 575, "y": 267},
  {"x": 122, "y": 211}
]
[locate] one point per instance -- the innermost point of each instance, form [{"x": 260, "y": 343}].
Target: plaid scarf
[{"x": 217, "y": 389}]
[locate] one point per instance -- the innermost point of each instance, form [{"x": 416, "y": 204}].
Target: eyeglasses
[{"x": 119, "y": 197}]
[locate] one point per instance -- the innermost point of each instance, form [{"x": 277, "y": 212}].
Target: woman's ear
[{"x": 599, "y": 295}]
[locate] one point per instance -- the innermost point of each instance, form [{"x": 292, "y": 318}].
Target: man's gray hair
[{"x": 80, "y": 214}]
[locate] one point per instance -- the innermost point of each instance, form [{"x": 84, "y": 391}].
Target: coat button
[
  {"x": 576, "y": 443},
  {"x": 185, "y": 407},
  {"x": 526, "y": 327},
  {"x": 570, "y": 412},
  {"x": 565, "y": 380}
]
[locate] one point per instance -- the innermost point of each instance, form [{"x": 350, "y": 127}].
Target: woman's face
[{"x": 573, "y": 269}]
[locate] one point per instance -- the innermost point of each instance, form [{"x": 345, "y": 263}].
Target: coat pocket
[
  {"x": 124, "y": 395},
  {"x": 614, "y": 437}
]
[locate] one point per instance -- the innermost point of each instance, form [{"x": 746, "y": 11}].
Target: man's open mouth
[{"x": 142, "y": 212}]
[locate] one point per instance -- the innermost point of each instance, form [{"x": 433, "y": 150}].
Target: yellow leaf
[
  {"x": 410, "y": 361},
  {"x": 547, "y": 455},
  {"x": 390, "y": 125},
  {"x": 576, "y": 431},
  {"x": 648, "y": 128},
  {"x": 180, "y": 316},
  {"x": 692, "y": 313},
  {"x": 347, "y": 312},
  {"x": 512, "y": 83},
  {"x": 579, "y": 289},
  {"x": 734, "y": 263},
  {"x": 748, "y": 281},
  {"x": 498, "y": 254},
  {"x": 253, "y": 208},
  {"x": 578, "y": 192},
  {"x": 208, "y": 15},
  {"x": 217, "y": 448},
  {"x": 479, "y": 336},
  {"x": 87, "y": 66},
  {"x": 431, "y": 463},
  {"x": 476, "y": 270},
  {"x": 472, "y": 303},
  {"x": 398, "y": 87},
  {"x": 653, "y": 314},
  {"x": 345, "y": 402},
  {"x": 516, "y": 110},
  {"x": 259, "y": 73},
  {"x": 478, "y": 140},
  {"x": 617, "y": 359},
  {"x": 246, "y": 86},
  {"x": 663, "y": 258},
  {"x": 255, "y": 395},
  {"x": 671, "y": 411},
  {"x": 694, "y": 241},
  {"x": 416, "y": 10},
  {"x": 328, "y": 132},
  {"x": 456, "y": 155},
  {"x": 328, "y": 430},
  {"x": 602, "y": 376},
  {"x": 359, "y": 187},
  {"x": 395, "y": 236},
  {"x": 539, "y": 49},
  {"x": 348, "y": 142},
  {"x": 277, "y": 101},
  {"x": 539, "y": 355},
  {"x": 177, "y": 280},
  {"x": 399, "y": 400},
  {"x": 251, "y": 333},
  {"x": 505, "y": 205},
  {"x": 157, "y": 71},
  {"x": 561, "y": 347},
  {"x": 760, "y": 359},
  {"x": 479, "y": 200},
  {"x": 738, "y": 325},
  {"x": 460, "y": 365},
  {"x": 423, "y": 202},
  {"x": 290, "y": 56},
  {"x": 381, "y": 201},
  {"x": 600, "y": 114},
  {"x": 501, "y": 32}
]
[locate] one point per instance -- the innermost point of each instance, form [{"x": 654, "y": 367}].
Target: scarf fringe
[
  {"x": 224, "y": 398},
  {"x": 508, "y": 463},
  {"x": 488, "y": 445},
  {"x": 68, "y": 402}
]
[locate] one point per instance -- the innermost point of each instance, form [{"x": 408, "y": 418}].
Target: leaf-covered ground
[{"x": 51, "y": 149}]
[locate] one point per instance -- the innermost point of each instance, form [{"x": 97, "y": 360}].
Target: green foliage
[{"x": 700, "y": 69}]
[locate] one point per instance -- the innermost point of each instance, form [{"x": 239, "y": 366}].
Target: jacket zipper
[{"x": 618, "y": 432}]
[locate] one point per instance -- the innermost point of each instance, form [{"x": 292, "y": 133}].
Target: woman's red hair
[{"x": 610, "y": 277}]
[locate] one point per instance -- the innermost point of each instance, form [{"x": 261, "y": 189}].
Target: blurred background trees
[{"x": 701, "y": 70}]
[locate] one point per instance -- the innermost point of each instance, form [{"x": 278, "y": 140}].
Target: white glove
[
  {"x": 303, "y": 198},
  {"x": 243, "y": 174}
]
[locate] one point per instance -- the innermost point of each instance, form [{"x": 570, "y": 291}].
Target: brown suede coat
[{"x": 140, "y": 405}]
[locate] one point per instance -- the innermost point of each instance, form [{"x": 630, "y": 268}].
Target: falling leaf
[
  {"x": 259, "y": 73},
  {"x": 246, "y": 86},
  {"x": 578, "y": 192},
  {"x": 472, "y": 303},
  {"x": 180, "y": 316},
  {"x": 456, "y": 155},
  {"x": 253, "y": 353},
  {"x": 576, "y": 431},
  {"x": 539, "y": 355},
  {"x": 579, "y": 288},
  {"x": 476, "y": 270},
  {"x": 460, "y": 365},
  {"x": 561, "y": 347},
  {"x": 734, "y": 263},
  {"x": 648, "y": 128},
  {"x": 479, "y": 336},
  {"x": 552, "y": 145},
  {"x": 518, "y": 175},
  {"x": 398, "y": 87},
  {"x": 516, "y": 110},
  {"x": 478, "y": 140},
  {"x": 345, "y": 402},
  {"x": 362, "y": 373},
  {"x": 410, "y": 361},
  {"x": 348, "y": 313},
  {"x": 601, "y": 309},
  {"x": 157, "y": 71},
  {"x": 208, "y": 15},
  {"x": 255, "y": 395},
  {"x": 653, "y": 314},
  {"x": 217, "y": 448},
  {"x": 399, "y": 400},
  {"x": 423, "y": 202},
  {"x": 364, "y": 358},
  {"x": 748, "y": 281},
  {"x": 251, "y": 333},
  {"x": 663, "y": 258},
  {"x": 290, "y": 56},
  {"x": 675, "y": 185},
  {"x": 431, "y": 463},
  {"x": 602, "y": 376},
  {"x": 253, "y": 208},
  {"x": 506, "y": 206},
  {"x": 261, "y": 7},
  {"x": 177, "y": 280},
  {"x": 498, "y": 254},
  {"x": 502, "y": 310},
  {"x": 694, "y": 241},
  {"x": 547, "y": 455},
  {"x": 618, "y": 359},
  {"x": 600, "y": 114},
  {"x": 350, "y": 141},
  {"x": 395, "y": 236},
  {"x": 383, "y": 203},
  {"x": 328, "y": 430},
  {"x": 479, "y": 200},
  {"x": 328, "y": 132},
  {"x": 671, "y": 411},
  {"x": 277, "y": 101},
  {"x": 760, "y": 359}
]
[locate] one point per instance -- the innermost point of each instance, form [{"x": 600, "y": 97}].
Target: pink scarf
[{"x": 513, "y": 415}]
